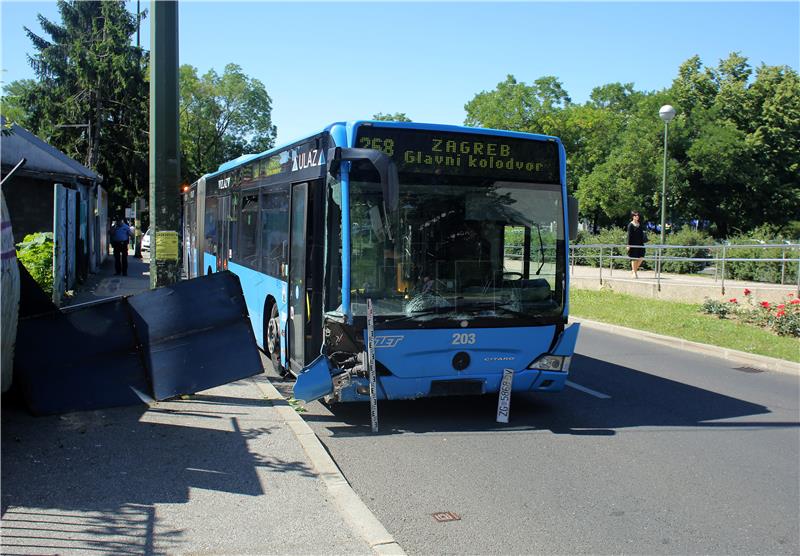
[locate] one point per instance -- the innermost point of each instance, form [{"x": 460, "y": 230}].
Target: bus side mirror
[
  {"x": 385, "y": 166},
  {"x": 572, "y": 211}
]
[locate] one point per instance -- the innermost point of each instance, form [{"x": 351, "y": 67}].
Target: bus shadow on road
[{"x": 636, "y": 399}]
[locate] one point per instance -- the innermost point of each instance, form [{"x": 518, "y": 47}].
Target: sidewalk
[
  {"x": 231, "y": 470},
  {"x": 675, "y": 287},
  {"x": 105, "y": 284}
]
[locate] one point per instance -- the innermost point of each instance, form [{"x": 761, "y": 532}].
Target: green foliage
[
  {"x": 781, "y": 318},
  {"x": 733, "y": 149},
  {"x": 689, "y": 237},
  {"x": 90, "y": 98},
  {"x": 396, "y": 117},
  {"x": 222, "y": 117},
  {"x": 590, "y": 256},
  {"x": 681, "y": 320},
  {"x": 35, "y": 251},
  {"x": 15, "y": 105},
  {"x": 715, "y": 307},
  {"x": 762, "y": 271}
]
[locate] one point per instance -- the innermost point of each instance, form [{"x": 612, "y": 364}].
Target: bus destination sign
[{"x": 468, "y": 154}]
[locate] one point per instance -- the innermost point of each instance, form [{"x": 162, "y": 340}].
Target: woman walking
[{"x": 636, "y": 239}]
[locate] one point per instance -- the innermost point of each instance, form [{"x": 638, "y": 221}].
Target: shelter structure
[{"x": 54, "y": 193}]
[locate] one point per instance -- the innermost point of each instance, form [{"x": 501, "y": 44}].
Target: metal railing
[{"x": 718, "y": 254}]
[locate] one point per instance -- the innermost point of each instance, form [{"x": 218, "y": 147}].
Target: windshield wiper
[{"x": 541, "y": 249}]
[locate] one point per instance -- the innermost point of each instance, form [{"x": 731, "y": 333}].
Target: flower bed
[{"x": 781, "y": 318}]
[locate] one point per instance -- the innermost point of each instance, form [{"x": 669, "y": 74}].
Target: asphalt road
[{"x": 652, "y": 451}]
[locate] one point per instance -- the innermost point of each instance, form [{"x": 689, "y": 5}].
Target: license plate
[{"x": 504, "y": 397}]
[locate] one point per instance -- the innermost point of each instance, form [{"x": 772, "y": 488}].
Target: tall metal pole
[
  {"x": 664, "y": 187},
  {"x": 164, "y": 143},
  {"x": 666, "y": 113}
]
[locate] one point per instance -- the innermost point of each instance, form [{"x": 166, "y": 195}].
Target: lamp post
[{"x": 666, "y": 113}]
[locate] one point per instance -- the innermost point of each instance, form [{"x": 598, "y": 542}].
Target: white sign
[{"x": 504, "y": 398}]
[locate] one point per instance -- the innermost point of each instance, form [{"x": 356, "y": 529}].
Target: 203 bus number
[{"x": 463, "y": 339}]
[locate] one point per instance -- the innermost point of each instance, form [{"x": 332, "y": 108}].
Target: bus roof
[{"x": 352, "y": 126}]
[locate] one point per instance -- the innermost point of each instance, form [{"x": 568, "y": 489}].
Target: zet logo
[{"x": 387, "y": 341}]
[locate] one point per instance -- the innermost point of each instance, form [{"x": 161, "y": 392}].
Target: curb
[
  {"x": 360, "y": 518},
  {"x": 769, "y": 363}
]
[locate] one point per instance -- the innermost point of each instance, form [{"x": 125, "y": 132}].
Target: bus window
[
  {"x": 247, "y": 253},
  {"x": 275, "y": 232},
  {"x": 514, "y": 250},
  {"x": 232, "y": 217},
  {"x": 211, "y": 225},
  {"x": 333, "y": 247}
]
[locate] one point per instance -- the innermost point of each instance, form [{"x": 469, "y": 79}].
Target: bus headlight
[{"x": 551, "y": 363}]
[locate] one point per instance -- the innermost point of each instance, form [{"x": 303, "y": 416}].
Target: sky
[{"x": 332, "y": 61}]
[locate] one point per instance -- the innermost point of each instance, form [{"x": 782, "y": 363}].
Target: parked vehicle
[{"x": 146, "y": 241}]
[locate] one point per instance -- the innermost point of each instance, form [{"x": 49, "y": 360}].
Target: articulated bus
[{"x": 458, "y": 236}]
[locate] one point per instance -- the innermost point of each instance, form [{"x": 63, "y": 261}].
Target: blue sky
[{"x": 323, "y": 62}]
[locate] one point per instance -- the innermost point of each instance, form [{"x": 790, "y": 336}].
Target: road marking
[{"x": 589, "y": 391}]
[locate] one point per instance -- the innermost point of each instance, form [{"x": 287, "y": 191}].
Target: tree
[
  {"x": 737, "y": 143},
  {"x": 222, "y": 117},
  {"x": 396, "y": 117},
  {"x": 17, "y": 104},
  {"x": 90, "y": 99}
]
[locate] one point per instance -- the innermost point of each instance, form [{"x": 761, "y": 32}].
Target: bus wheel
[{"x": 272, "y": 340}]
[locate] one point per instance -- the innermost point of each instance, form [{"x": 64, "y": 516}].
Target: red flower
[
  {"x": 732, "y": 300},
  {"x": 795, "y": 302},
  {"x": 780, "y": 313},
  {"x": 781, "y": 306},
  {"x": 746, "y": 291},
  {"x": 765, "y": 304}
]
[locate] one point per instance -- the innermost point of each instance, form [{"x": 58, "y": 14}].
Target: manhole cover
[
  {"x": 748, "y": 369},
  {"x": 441, "y": 517}
]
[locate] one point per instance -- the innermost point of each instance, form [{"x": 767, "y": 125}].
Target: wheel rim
[{"x": 272, "y": 334}]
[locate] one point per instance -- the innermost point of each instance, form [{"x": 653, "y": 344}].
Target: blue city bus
[{"x": 458, "y": 236}]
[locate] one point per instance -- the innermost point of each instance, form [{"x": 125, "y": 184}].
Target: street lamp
[{"x": 666, "y": 113}]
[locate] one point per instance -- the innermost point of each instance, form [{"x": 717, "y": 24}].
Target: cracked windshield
[{"x": 458, "y": 247}]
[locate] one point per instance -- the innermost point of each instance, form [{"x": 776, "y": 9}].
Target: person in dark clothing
[
  {"x": 120, "y": 235},
  {"x": 636, "y": 240}
]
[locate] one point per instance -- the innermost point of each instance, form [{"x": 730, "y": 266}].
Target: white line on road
[{"x": 589, "y": 391}]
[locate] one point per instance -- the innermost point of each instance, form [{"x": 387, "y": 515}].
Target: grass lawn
[{"x": 682, "y": 320}]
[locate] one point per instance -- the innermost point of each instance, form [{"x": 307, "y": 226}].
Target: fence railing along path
[{"x": 719, "y": 257}]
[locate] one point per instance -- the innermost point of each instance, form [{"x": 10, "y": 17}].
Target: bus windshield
[{"x": 457, "y": 247}]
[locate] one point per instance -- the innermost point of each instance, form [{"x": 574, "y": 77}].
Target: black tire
[{"x": 272, "y": 340}]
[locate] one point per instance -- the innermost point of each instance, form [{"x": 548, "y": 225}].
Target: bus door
[
  {"x": 297, "y": 276},
  {"x": 189, "y": 234},
  {"x": 224, "y": 232}
]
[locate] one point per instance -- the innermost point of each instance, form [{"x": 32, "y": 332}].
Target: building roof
[{"x": 42, "y": 159}]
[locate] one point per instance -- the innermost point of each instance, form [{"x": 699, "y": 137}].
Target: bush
[
  {"x": 35, "y": 251},
  {"x": 590, "y": 256},
  {"x": 690, "y": 237},
  {"x": 714, "y": 307},
  {"x": 781, "y": 318},
  {"x": 761, "y": 271}
]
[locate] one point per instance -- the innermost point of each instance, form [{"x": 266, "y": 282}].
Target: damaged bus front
[{"x": 459, "y": 237}]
